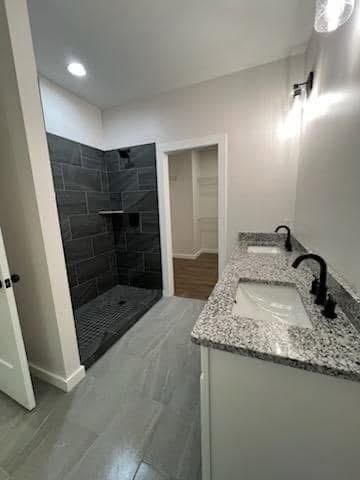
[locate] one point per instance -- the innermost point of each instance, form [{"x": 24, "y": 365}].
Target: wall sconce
[
  {"x": 331, "y": 14},
  {"x": 298, "y": 87}
]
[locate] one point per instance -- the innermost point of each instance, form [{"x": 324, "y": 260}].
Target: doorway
[
  {"x": 193, "y": 177},
  {"x": 211, "y": 258}
]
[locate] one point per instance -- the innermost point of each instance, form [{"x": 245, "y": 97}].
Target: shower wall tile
[
  {"x": 87, "y": 225},
  {"x": 65, "y": 229},
  {"x": 71, "y": 272},
  {"x": 112, "y": 161},
  {"x": 152, "y": 280},
  {"x": 64, "y": 151},
  {"x": 127, "y": 222},
  {"x": 106, "y": 281},
  {"x": 143, "y": 242},
  {"x": 101, "y": 251},
  {"x": 120, "y": 240},
  {"x": 103, "y": 243},
  {"x": 133, "y": 188},
  {"x": 98, "y": 201},
  {"x": 92, "y": 158},
  {"x": 152, "y": 262},
  {"x": 125, "y": 180},
  {"x": 113, "y": 261},
  {"x": 123, "y": 275},
  {"x": 150, "y": 222},
  {"x": 105, "y": 181},
  {"x": 71, "y": 203},
  {"x": 81, "y": 185},
  {"x": 77, "y": 250},
  {"x": 143, "y": 156},
  {"x": 116, "y": 201},
  {"x": 147, "y": 178},
  {"x": 79, "y": 178},
  {"x": 92, "y": 268},
  {"x": 83, "y": 293},
  {"x": 131, "y": 261},
  {"x": 143, "y": 201},
  {"x": 57, "y": 176}
]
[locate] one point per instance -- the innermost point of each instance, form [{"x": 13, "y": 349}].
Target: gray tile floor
[{"x": 135, "y": 416}]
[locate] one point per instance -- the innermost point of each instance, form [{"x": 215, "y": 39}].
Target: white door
[{"x": 15, "y": 378}]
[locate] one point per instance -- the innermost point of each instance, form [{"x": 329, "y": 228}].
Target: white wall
[
  {"x": 328, "y": 193},
  {"x": 28, "y": 215},
  {"x": 69, "y": 116},
  {"x": 248, "y": 106},
  {"x": 181, "y": 203}
]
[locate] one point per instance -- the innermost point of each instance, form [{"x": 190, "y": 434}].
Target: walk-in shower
[{"x": 108, "y": 211}]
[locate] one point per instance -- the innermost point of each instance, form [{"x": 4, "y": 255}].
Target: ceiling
[{"x": 134, "y": 49}]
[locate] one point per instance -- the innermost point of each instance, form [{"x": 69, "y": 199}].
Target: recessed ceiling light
[{"x": 77, "y": 69}]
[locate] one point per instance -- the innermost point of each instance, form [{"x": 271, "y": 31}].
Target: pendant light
[{"x": 331, "y": 14}]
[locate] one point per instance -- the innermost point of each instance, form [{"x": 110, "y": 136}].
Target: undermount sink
[
  {"x": 266, "y": 302},
  {"x": 263, "y": 249}
]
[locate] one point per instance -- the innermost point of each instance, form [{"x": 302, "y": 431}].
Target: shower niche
[{"x": 108, "y": 211}]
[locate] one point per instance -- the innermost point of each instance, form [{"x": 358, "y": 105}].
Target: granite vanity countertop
[{"x": 331, "y": 347}]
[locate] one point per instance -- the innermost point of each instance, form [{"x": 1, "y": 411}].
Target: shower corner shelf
[{"x": 110, "y": 212}]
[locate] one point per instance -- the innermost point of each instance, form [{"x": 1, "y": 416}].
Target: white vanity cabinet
[{"x": 265, "y": 421}]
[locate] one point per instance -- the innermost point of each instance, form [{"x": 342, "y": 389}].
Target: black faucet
[
  {"x": 288, "y": 245},
  {"x": 322, "y": 288}
]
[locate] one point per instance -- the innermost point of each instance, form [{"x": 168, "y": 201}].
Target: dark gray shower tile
[
  {"x": 65, "y": 229},
  {"x": 130, "y": 261},
  {"x": 120, "y": 240},
  {"x": 83, "y": 293},
  {"x": 79, "y": 178},
  {"x": 123, "y": 276},
  {"x": 71, "y": 274},
  {"x": 112, "y": 261},
  {"x": 124, "y": 180},
  {"x": 116, "y": 201},
  {"x": 86, "y": 225},
  {"x": 71, "y": 203},
  {"x": 153, "y": 262},
  {"x": 127, "y": 222},
  {"x": 139, "y": 201},
  {"x": 117, "y": 222},
  {"x": 92, "y": 268},
  {"x": 106, "y": 281},
  {"x": 57, "y": 176},
  {"x": 147, "y": 178},
  {"x": 150, "y": 222},
  {"x": 98, "y": 201},
  {"x": 105, "y": 182},
  {"x": 150, "y": 280},
  {"x": 112, "y": 161},
  {"x": 143, "y": 155},
  {"x": 103, "y": 243},
  {"x": 92, "y": 157},
  {"x": 77, "y": 250},
  {"x": 63, "y": 150},
  {"x": 143, "y": 242},
  {"x": 108, "y": 223}
]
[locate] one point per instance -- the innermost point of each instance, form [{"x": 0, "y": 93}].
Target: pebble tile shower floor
[
  {"x": 102, "y": 321},
  {"x": 136, "y": 415}
]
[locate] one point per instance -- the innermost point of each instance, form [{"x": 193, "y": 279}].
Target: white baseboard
[
  {"x": 65, "y": 384},
  {"x": 194, "y": 256},
  {"x": 187, "y": 256}
]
